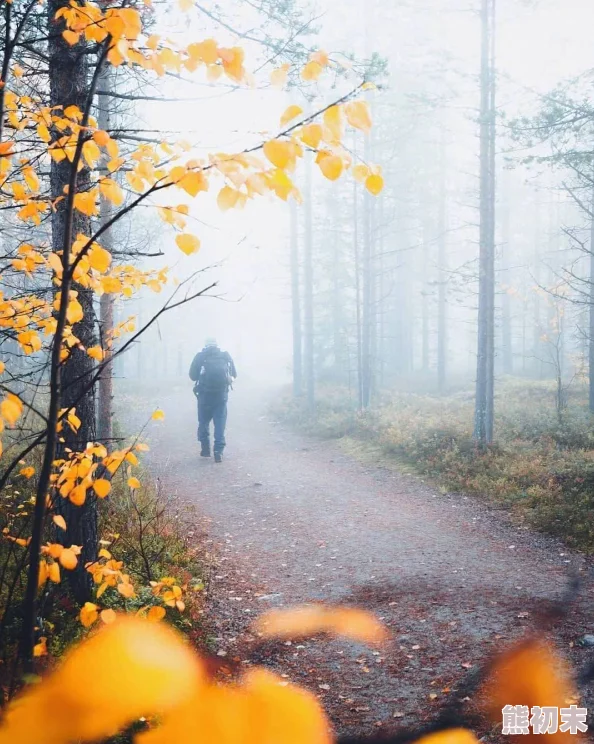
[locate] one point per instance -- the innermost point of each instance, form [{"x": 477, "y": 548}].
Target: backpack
[{"x": 214, "y": 377}]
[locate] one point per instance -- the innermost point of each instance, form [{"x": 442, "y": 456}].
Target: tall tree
[
  {"x": 296, "y": 301},
  {"x": 69, "y": 86},
  {"x": 484, "y": 404}
]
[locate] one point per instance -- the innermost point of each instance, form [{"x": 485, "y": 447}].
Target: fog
[{"x": 426, "y": 115}]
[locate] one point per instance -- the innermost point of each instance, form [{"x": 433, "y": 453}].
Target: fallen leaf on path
[{"x": 309, "y": 620}]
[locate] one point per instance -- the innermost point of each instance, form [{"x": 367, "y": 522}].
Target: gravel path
[{"x": 294, "y": 520}]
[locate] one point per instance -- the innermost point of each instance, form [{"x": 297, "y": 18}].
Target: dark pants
[{"x": 212, "y": 407}]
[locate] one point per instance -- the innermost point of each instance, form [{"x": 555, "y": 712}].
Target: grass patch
[{"x": 541, "y": 465}]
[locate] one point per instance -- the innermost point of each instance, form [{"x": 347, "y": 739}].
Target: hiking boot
[
  {"x": 205, "y": 451},
  {"x": 218, "y": 456}
]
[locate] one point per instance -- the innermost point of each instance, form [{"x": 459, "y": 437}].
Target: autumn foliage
[{"x": 133, "y": 665}]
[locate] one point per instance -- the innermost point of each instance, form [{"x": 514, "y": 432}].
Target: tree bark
[
  {"x": 483, "y": 421},
  {"x": 591, "y": 315},
  {"x": 442, "y": 267},
  {"x": 296, "y": 303},
  {"x": 69, "y": 84},
  {"x": 308, "y": 276},
  {"x": 106, "y": 315}
]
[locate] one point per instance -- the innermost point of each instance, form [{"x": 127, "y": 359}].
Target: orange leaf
[
  {"x": 155, "y": 614},
  {"x": 108, "y": 616},
  {"x": 133, "y": 483},
  {"x": 88, "y": 614},
  {"x": 102, "y": 487},
  {"x": 68, "y": 559},
  {"x": 311, "y": 619},
  {"x": 531, "y": 674}
]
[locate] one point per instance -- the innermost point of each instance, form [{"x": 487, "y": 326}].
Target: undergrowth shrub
[{"x": 541, "y": 464}]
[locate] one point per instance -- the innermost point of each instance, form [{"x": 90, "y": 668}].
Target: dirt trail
[{"x": 296, "y": 520}]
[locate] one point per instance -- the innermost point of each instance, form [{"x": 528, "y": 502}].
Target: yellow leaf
[
  {"x": 360, "y": 172},
  {"x": 278, "y": 77},
  {"x": 54, "y": 572},
  {"x": 374, "y": 184},
  {"x": 108, "y": 617},
  {"x": 78, "y": 495},
  {"x": 11, "y": 409},
  {"x": 290, "y": 113},
  {"x": 71, "y": 37},
  {"x": 369, "y": 86},
  {"x": 311, "y": 135},
  {"x": 102, "y": 487},
  {"x": 188, "y": 244},
  {"x": 193, "y": 182},
  {"x": 261, "y": 708},
  {"x": 133, "y": 483},
  {"x": 227, "y": 198},
  {"x": 88, "y": 614},
  {"x": 99, "y": 258},
  {"x": 333, "y": 122},
  {"x": 40, "y": 648},
  {"x": 158, "y": 415},
  {"x": 2, "y": 367},
  {"x": 312, "y": 619},
  {"x": 28, "y": 472},
  {"x": 279, "y": 153},
  {"x": 282, "y": 184},
  {"x": 59, "y": 520},
  {"x": 101, "y": 138},
  {"x": 74, "y": 311},
  {"x": 358, "y": 116},
  {"x": 43, "y": 574},
  {"x": 331, "y": 166},
  {"x": 112, "y": 191},
  {"x": 96, "y": 352},
  {"x": 68, "y": 559},
  {"x": 155, "y": 614},
  {"x": 91, "y": 153},
  {"x": 152, "y": 669},
  {"x": 312, "y": 71},
  {"x": 126, "y": 590}
]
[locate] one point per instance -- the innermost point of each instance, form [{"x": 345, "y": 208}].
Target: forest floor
[{"x": 293, "y": 519}]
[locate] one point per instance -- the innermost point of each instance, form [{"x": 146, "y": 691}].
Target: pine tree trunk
[
  {"x": 308, "y": 290},
  {"x": 483, "y": 422},
  {"x": 367, "y": 320},
  {"x": 357, "y": 261},
  {"x": 506, "y": 329},
  {"x": 106, "y": 319},
  {"x": 296, "y": 303},
  {"x": 68, "y": 75},
  {"x": 442, "y": 267},
  {"x": 591, "y": 314}
]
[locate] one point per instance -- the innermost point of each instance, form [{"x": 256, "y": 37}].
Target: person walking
[{"x": 212, "y": 370}]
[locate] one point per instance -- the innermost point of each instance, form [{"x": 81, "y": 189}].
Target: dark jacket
[{"x": 198, "y": 362}]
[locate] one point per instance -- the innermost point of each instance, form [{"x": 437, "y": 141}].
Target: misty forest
[{"x": 296, "y": 371}]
